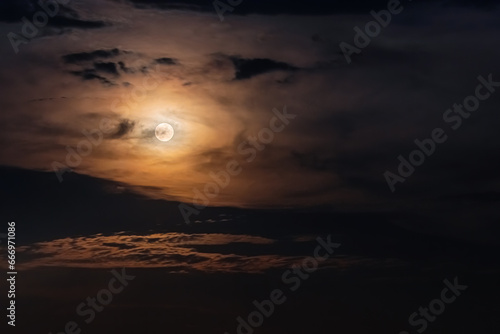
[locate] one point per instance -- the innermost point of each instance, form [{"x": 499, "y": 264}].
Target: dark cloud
[
  {"x": 124, "y": 68},
  {"x": 100, "y": 68},
  {"x": 195, "y": 5},
  {"x": 47, "y": 99},
  {"x": 247, "y": 68},
  {"x": 106, "y": 67},
  {"x": 253, "y": 232},
  {"x": 277, "y": 7},
  {"x": 90, "y": 56},
  {"x": 91, "y": 74},
  {"x": 125, "y": 126},
  {"x": 67, "y": 22},
  {"x": 166, "y": 61},
  {"x": 13, "y": 11}
]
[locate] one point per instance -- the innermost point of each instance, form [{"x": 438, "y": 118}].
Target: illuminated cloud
[
  {"x": 352, "y": 120},
  {"x": 175, "y": 251}
]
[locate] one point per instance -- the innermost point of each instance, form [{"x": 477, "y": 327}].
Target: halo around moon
[{"x": 164, "y": 132}]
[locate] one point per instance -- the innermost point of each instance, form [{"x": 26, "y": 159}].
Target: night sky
[{"x": 334, "y": 161}]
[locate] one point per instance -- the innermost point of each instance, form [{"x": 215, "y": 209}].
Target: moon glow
[{"x": 164, "y": 132}]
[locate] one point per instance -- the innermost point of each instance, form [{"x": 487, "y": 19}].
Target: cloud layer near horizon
[{"x": 178, "y": 252}]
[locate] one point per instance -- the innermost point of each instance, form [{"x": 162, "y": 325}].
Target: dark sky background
[{"x": 118, "y": 68}]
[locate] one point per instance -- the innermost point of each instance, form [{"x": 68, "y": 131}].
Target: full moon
[{"x": 164, "y": 132}]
